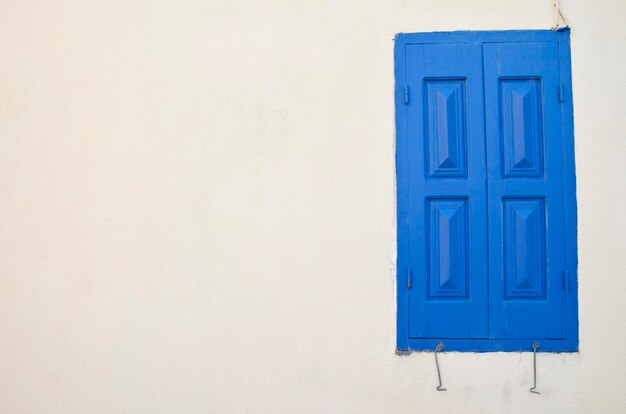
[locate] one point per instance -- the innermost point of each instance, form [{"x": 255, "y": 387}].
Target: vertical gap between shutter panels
[
  {"x": 486, "y": 183},
  {"x": 565, "y": 273}
]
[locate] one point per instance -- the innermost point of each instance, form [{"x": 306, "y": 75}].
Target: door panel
[
  {"x": 525, "y": 187},
  {"x": 447, "y": 191}
]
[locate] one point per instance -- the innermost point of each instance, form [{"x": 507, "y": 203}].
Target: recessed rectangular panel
[
  {"x": 447, "y": 248},
  {"x": 445, "y": 126},
  {"x": 522, "y": 127},
  {"x": 524, "y": 248}
]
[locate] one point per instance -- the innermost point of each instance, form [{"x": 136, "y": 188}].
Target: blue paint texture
[{"x": 486, "y": 191}]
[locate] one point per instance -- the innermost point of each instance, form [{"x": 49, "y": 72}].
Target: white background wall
[{"x": 197, "y": 210}]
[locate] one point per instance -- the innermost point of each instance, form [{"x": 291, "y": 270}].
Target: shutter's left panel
[{"x": 447, "y": 191}]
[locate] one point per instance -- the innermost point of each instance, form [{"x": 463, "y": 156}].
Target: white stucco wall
[{"x": 197, "y": 210}]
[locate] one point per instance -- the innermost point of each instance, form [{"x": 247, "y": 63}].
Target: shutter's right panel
[{"x": 525, "y": 191}]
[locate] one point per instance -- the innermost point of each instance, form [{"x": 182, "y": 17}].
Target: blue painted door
[
  {"x": 525, "y": 187},
  {"x": 448, "y": 292}
]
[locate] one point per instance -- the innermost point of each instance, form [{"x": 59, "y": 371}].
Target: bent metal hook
[
  {"x": 535, "y": 346},
  {"x": 438, "y": 348}
]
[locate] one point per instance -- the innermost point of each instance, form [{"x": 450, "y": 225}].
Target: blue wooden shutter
[
  {"x": 525, "y": 186},
  {"x": 447, "y": 192},
  {"x": 486, "y": 191}
]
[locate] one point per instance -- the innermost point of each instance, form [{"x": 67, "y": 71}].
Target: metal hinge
[
  {"x": 565, "y": 280},
  {"x": 406, "y": 94},
  {"x": 560, "y": 93},
  {"x": 408, "y": 278}
]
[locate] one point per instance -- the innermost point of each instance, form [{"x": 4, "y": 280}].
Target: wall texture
[{"x": 197, "y": 210}]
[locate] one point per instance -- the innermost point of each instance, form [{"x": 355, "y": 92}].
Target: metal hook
[
  {"x": 558, "y": 13},
  {"x": 535, "y": 346},
  {"x": 438, "y": 348}
]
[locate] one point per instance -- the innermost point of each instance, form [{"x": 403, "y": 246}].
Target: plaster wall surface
[{"x": 197, "y": 210}]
